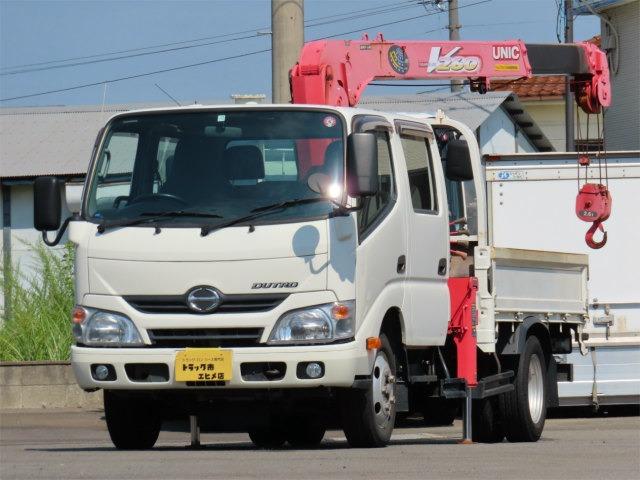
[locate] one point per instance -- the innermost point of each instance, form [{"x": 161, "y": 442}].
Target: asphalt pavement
[{"x": 52, "y": 444}]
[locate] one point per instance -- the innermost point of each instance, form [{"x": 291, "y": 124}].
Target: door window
[
  {"x": 422, "y": 185},
  {"x": 116, "y": 169},
  {"x": 374, "y": 207}
]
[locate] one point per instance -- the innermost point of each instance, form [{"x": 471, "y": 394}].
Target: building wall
[
  {"x": 622, "y": 119},
  {"x": 498, "y": 134},
  {"x": 549, "y": 116},
  {"x": 23, "y": 235}
]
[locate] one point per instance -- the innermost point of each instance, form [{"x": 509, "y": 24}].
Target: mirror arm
[{"x": 63, "y": 228}]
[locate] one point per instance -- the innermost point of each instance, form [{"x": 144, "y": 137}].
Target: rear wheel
[
  {"x": 133, "y": 422},
  {"x": 439, "y": 411},
  {"x": 487, "y": 425},
  {"x": 368, "y": 416},
  {"x": 525, "y": 409},
  {"x": 268, "y": 437}
]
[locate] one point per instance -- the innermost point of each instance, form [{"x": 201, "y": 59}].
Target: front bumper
[{"x": 342, "y": 363}]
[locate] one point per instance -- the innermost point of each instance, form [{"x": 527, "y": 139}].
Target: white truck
[{"x": 280, "y": 269}]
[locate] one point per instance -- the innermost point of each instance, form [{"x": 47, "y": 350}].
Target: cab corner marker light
[
  {"x": 374, "y": 343},
  {"x": 78, "y": 315}
]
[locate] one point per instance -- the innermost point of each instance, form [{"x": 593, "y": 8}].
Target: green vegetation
[{"x": 37, "y": 326}]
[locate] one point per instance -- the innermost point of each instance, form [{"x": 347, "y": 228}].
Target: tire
[
  {"x": 439, "y": 412},
  {"x": 368, "y": 415},
  {"x": 133, "y": 422},
  {"x": 305, "y": 434},
  {"x": 268, "y": 437},
  {"x": 525, "y": 409},
  {"x": 487, "y": 425}
]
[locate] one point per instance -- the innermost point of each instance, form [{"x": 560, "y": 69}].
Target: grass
[{"x": 37, "y": 325}]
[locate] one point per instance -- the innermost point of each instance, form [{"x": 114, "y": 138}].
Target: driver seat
[{"x": 194, "y": 174}]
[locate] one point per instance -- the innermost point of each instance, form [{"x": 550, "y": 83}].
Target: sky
[{"x": 33, "y": 32}]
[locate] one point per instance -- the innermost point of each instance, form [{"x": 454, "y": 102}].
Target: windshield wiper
[
  {"x": 150, "y": 217},
  {"x": 180, "y": 213},
  {"x": 290, "y": 203},
  {"x": 260, "y": 211}
]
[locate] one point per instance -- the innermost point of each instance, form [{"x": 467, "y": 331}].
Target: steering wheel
[{"x": 158, "y": 196}]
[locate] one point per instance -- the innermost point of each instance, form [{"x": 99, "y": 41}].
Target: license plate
[{"x": 203, "y": 364}]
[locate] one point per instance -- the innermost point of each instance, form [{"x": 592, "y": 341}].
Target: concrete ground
[{"x": 56, "y": 444}]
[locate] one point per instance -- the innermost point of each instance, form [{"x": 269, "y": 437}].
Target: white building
[
  {"x": 620, "y": 28},
  {"x": 501, "y": 123}
]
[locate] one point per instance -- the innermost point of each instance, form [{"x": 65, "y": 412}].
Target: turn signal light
[
  {"x": 374, "y": 343},
  {"x": 340, "y": 312},
  {"x": 78, "y": 315}
]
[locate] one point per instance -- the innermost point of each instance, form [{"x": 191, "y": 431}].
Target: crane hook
[
  {"x": 597, "y": 225},
  {"x": 593, "y": 204}
]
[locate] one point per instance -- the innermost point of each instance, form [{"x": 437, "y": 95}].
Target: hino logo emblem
[{"x": 203, "y": 299}]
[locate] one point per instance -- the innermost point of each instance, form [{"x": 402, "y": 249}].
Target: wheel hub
[
  {"x": 383, "y": 391},
  {"x": 535, "y": 390}
]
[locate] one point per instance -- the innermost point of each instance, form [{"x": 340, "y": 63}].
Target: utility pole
[
  {"x": 287, "y": 38},
  {"x": 454, "y": 34},
  {"x": 570, "y": 145}
]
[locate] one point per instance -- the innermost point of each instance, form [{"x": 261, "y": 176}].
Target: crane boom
[{"x": 336, "y": 72}]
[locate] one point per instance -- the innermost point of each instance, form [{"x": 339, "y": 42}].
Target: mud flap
[{"x": 552, "y": 382}]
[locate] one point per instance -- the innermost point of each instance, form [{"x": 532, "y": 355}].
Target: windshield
[{"x": 222, "y": 163}]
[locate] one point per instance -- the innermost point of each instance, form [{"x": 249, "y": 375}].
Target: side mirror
[
  {"x": 458, "y": 161},
  {"x": 47, "y": 205},
  {"x": 362, "y": 165}
]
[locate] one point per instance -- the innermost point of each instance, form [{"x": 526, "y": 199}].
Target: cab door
[{"x": 427, "y": 293}]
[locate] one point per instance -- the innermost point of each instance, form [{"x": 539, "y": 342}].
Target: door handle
[
  {"x": 442, "y": 266},
  {"x": 402, "y": 264}
]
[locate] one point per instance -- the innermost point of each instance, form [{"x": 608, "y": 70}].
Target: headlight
[
  {"x": 319, "y": 324},
  {"x": 99, "y": 328}
]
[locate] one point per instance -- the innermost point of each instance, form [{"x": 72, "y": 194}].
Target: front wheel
[
  {"x": 525, "y": 408},
  {"x": 303, "y": 433},
  {"x": 368, "y": 415},
  {"x": 133, "y": 422}
]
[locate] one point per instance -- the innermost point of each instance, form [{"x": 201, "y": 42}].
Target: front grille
[
  {"x": 204, "y": 337},
  {"x": 175, "y": 304}
]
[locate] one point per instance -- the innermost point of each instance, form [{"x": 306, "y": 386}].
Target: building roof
[
  {"x": 548, "y": 87},
  {"x": 582, "y": 8},
  {"x": 52, "y": 140},
  {"x": 472, "y": 109}
]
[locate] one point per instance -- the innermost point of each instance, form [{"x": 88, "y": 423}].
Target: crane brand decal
[
  {"x": 450, "y": 62},
  {"x": 508, "y": 52},
  {"x": 398, "y": 59},
  {"x": 274, "y": 285}
]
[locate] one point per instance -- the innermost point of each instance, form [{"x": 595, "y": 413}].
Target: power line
[
  {"x": 131, "y": 77},
  {"x": 173, "y": 49},
  {"x": 88, "y": 62},
  {"x": 399, "y": 21},
  {"x": 373, "y": 11},
  {"x": 192, "y": 65}
]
